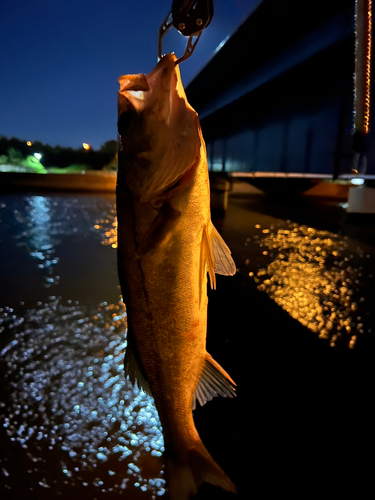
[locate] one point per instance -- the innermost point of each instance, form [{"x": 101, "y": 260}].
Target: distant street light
[
  {"x": 29, "y": 143},
  {"x": 86, "y": 146},
  {"x": 38, "y": 156}
]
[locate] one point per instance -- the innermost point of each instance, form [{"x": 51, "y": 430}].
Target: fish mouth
[
  {"x": 158, "y": 129},
  {"x": 154, "y": 91}
]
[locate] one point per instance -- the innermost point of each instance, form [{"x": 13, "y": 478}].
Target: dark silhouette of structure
[{"x": 278, "y": 95}]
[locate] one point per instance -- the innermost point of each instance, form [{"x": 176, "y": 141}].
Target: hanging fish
[{"x": 166, "y": 246}]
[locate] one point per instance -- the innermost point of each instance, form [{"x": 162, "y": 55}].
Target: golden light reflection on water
[
  {"x": 108, "y": 229},
  {"x": 311, "y": 277}
]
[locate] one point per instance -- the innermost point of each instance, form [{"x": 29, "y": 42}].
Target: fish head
[{"x": 159, "y": 131}]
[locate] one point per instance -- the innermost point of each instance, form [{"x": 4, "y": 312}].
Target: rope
[
  {"x": 362, "y": 73},
  {"x": 362, "y": 70}
]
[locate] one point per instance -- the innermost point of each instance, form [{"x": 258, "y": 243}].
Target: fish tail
[{"x": 186, "y": 476}]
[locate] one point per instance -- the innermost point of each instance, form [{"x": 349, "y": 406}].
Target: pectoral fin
[
  {"x": 180, "y": 151},
  {"x": 214, "y": 381}
]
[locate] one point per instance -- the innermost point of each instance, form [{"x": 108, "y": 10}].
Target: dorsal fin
[
  {"x": 215, "y": 256},
  {"x": 224, "y": 263},
  {"x": 207, "y": 259},
  {"x": 214, "y": 381}
]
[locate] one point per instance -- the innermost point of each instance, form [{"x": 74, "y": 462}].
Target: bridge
[{"x": 277, "y": 98}]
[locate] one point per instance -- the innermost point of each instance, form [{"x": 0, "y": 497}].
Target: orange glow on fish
[{"x": 167, "y": 246}]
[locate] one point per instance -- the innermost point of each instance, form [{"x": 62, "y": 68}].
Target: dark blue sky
[{"x": 61, "y": 59}]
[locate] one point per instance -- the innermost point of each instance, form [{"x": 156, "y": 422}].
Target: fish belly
[
  {"x": 167, "y": 304},
  {"x": 166, "y": 299}
]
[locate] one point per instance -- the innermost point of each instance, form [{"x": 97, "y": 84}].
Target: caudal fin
[{"x": 185, "y": 476}]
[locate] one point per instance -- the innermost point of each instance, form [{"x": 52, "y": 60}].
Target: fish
[{"x": 167, "y": 246}]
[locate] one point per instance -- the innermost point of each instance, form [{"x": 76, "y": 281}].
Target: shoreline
[
  {"x": 88, "y": 181},
  {"x": 99, "y": 181}
]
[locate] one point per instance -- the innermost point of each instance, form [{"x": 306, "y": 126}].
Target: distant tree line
[{"x": 15, "y": 150}]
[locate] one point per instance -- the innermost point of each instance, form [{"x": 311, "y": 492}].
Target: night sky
[{"x": 60, "y": 61}]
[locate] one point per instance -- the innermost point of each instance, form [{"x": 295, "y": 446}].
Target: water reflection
[
  {"x": 108, "y": 228},
  {"x": 309, "y": 276},
  {"x": 38, "y": 235},
  {"x": 40, "y": 242},
  {"x": 313, "y": 275},
  {"x": 67, "y": 414},
  {"x": 42, "y": 221},
  {"x": 66, "y": 398}
]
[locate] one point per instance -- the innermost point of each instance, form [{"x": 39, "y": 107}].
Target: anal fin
[
  {"x": 133, "y": 371},
  {"x": 214, "y": 381}
]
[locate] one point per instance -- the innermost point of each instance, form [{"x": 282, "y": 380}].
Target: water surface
[
  {"x": 71, "y": 425},
  {"x": 292, "y": 328}
]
